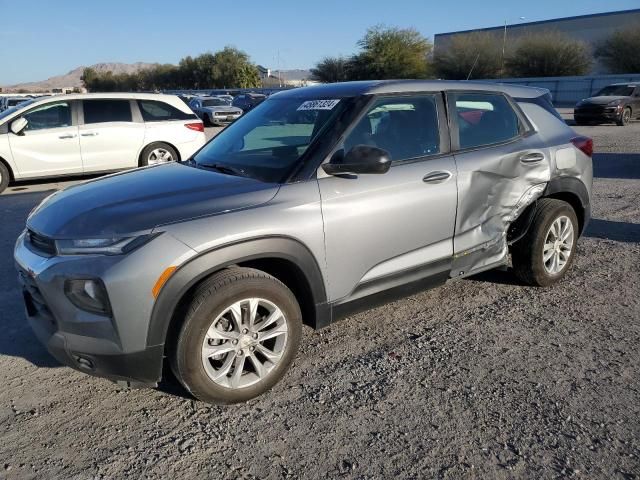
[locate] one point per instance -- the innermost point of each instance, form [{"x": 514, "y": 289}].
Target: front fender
[{"x": 211, "y": 261}]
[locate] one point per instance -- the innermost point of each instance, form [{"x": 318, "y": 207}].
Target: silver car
[
  {"x": 322, "y": 202},
  {"x": 215, "y": 110}
]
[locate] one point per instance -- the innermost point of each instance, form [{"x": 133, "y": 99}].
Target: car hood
[
  {"x": 603, "y": 100},
  {"x": 142, "y": 199}
]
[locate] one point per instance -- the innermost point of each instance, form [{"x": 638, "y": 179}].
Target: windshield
[
  {"x": 616, "y": 91},
  {"x": 267, "y": 142},
  {"x": 16, "y": 101},
  {"x": 214, "y": 102},
  {"x": 10, "y": 111}
]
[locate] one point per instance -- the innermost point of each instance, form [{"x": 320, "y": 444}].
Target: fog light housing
[{"x": 88, "y": 294}]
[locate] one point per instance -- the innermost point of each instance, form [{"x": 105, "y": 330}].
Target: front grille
[
  {"x": 40, "y": 243},
  {"x": 590, "y": 109},
  {"x": 224, "y": 114}
]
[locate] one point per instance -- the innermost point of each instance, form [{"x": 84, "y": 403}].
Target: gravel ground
[{"x": 482, "y": 378}]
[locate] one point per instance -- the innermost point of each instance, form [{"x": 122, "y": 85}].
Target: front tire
[
  {"x": 545, "y": 254},
  {"x": 5, "y": 176},
  {"x": 625, "y": 117},
  {"x": 240, "y": 333}
]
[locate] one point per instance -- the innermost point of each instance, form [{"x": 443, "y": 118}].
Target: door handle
[
  {"x": 89, "y": 134},
  {"x": 68, "y": 135},
  {"x": 533, "y": 157},
  {"x": 436, "y": 177}
]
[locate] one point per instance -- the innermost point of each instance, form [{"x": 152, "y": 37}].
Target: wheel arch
[
  {"x": 282, "y": 257},
  {"x": 574, "y": 192}
]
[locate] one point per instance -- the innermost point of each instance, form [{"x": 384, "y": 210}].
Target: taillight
[
  {"x": 584, "y": 144},
  {"x": 197, "y": 126}
]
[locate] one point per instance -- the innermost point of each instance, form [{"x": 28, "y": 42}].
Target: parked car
[
  {"x": 10, "y": 102},
  {"x": 325, "y": 201},
  {"x": 619, "y": 103},
  {"x": 248, "y": 101},
  {"x": 215, "y": 110},
  {"x": 89, "y": 133}
]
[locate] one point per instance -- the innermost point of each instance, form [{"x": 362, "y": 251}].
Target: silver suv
[{"x": 321, "y": 202}]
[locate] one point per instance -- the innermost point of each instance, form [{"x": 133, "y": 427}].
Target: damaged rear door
[{"x": 503, "y": 166}]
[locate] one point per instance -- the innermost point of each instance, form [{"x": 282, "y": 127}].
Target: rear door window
[
  {"x": 102, "y": 111},
  {"x": 484, "y": 119},
  {"x": 157, "y": 111}
]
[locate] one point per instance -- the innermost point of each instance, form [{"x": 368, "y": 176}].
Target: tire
[
  {"x": 527, "y": 254},
  {"x": 625, "y": 117},
  {"x": 208, "y": 323},
  {"x": 152, "y": 152},
  {"x": 5, "y": 176}
]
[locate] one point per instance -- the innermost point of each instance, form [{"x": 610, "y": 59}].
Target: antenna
[{"x": 473, "y": 66}]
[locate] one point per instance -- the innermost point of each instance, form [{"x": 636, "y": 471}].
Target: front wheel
[
  {"x": 4, "y": 177},
  {"x": 240, "y": 334},
  {"x": 543, "y": 256},
  {"x": 625, "y": 117}
]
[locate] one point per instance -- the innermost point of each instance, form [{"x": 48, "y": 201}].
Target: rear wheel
[
  {"x": 543, "y": 256},
  {"x": 241, "y": 332},
  {"x": 158, "y": 153},
  {"x": 625, "y": 117},
  {"x": 4, "y": 177}
]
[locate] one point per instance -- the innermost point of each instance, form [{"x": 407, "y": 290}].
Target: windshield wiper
[{"x": 222, "y": 168}]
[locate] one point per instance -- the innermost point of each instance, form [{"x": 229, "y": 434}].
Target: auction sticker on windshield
[{"x": 318, "y": 104}]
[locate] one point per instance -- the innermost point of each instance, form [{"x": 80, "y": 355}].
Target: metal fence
[{"x": 567, "y": 91}]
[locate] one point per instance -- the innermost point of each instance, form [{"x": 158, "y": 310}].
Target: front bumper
[
  {"x": 114, "y": 347},
  {"x": 223, "y": 119},
  {"x": 597, "y": 113}
]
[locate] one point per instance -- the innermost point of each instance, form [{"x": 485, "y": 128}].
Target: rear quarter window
[{"x": 158, "y": 111}]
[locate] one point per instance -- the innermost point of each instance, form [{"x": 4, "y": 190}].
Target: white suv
[{"x": 89, "y": 133}]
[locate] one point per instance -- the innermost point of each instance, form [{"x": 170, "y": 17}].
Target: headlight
[
  {"x": 103, "y": 246},
  {"x": 613, "y": 103}
]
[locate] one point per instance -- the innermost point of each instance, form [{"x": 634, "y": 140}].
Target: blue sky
[{"x": 49, "y": 38}]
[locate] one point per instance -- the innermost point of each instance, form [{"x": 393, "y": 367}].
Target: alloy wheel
[
  {"x": 159, "y": 155},
  {"x": 244, "y": 343},
  {"x": 558, "y": 245}
]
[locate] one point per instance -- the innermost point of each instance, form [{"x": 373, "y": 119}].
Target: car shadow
[
  {"x": 612, "y": 230},
  {"x": 17, "y": 339},
  {"x": 501, "y": 277},
  {"x": 616, "y": 165}
]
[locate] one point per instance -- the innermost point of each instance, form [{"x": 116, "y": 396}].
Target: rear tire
[
  {"x": 157, "y": 153},
  {"x": 545, "y": 254},
  {"x": 219, "y": 355},
  {"x": 5, "y": 176}
]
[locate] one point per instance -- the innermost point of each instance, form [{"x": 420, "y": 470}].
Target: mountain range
[{"x": 73, "y": 78}]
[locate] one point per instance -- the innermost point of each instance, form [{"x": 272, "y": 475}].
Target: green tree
[
  {"x": 472, "y": 55},
  {"x": 330, "y": 70},
  {"x": 232, "y": 68},
  {"x": 619, "y": 52},
  {"x": 550, "y": 54},
  {"x": 389, "y": 52}
]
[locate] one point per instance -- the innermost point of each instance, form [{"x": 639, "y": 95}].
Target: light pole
[{"x": 504, "y": 44}]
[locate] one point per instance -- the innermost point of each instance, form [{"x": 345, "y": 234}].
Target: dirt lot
[{"x": 483, "y": 378}]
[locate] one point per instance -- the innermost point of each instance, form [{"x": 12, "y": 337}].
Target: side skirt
[{"x": 387, "y": 289}]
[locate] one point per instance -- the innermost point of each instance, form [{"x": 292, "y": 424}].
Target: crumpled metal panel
[{"x": 494, "y": 187}]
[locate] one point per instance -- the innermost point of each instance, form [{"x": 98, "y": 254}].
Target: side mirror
[
  {"x": 18, "y": 126},
  {"x": 361, "y": 159}
]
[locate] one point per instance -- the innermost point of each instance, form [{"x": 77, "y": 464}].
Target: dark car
[
  {"x": 248, "y": 101},
  {"x": 617, "y": 103}
]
